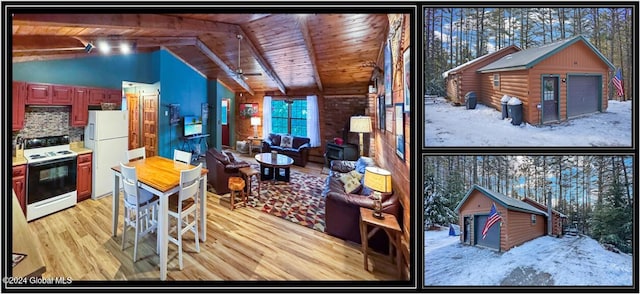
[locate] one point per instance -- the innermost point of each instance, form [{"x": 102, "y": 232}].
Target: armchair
[{"x": 222, "y": 166}]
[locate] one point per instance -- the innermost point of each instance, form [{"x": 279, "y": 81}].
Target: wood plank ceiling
[{"x": 279, "y": 53}]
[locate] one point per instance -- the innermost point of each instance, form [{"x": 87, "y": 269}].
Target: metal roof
[
  {"x": 459, "y": 67},
  {"x": 506, "y": 201},
  {"x": 528, "y": 58}
]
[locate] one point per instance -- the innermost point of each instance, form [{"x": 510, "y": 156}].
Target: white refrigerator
[{"x": 107, "y": 134}]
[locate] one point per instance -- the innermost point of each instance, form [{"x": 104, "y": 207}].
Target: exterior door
[
  {"x": 150, "y": 123},
  {"x": 550, "y": 96},
  {"x": 467, "y": 230},
  {"x": 493, "y": 235},
  {"x": 134, "y": 120},
  {"x": 225, "y": 121}
]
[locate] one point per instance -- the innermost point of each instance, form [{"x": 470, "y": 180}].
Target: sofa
[
  {"x": 222, "y": 165},
  {"x": 298, "y": 149},
  {"x": 342, "y": 209}
]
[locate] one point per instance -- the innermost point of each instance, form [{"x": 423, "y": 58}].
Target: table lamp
[
  {"x": 378, "y": 180},
  {"x": 255, "y": 122},
  {"x": 360, "y": 125}
]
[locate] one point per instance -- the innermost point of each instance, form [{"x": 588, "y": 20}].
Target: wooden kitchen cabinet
[
  {"x": 96, "y": 96},
  {"x": 38, "y": 94},
  {"x": 84, "y": 177},
  {"x": 80, "y": 108},
  {"x": 61, "y": 95},
  {"x": 114, "y": 96},
  {"x": 20, "y": 184},
  {"x": 17, "y": 104}
]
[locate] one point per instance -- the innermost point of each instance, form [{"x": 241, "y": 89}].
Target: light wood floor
[{"x": 244, "y": 244}]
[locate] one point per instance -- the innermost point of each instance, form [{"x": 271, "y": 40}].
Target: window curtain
[
  {"x": 313, "y": 122},
  {"x": 266, "y": 117}
]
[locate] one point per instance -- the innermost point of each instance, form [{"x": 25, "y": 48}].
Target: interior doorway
[
  {"x": 224, "y": 120},
  {"x": 142, "y": 106}
]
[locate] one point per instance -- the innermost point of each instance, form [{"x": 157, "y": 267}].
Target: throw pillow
[
  {"x": 231, "y": 157},
  {"x": 352, "y": 186},
  {"x": 286, "y": 141},
  {"x": 363, "y": 162},
  {"x": 345, "y": 178},
  {"x": 220, "y": 156},
  {"x": 355, "y": 174}
]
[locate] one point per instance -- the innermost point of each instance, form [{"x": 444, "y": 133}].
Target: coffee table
[{"x": 275, "y": 169}]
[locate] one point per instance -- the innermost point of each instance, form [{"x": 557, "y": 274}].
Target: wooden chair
[
  {"x": 135, "y": 154},
  {"x": 182, "y": 156},
  {"x": 183, "y": 207},
  {"x": 140, "y": 208}
]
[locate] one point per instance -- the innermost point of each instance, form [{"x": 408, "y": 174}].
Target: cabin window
[
  {"x": 289, "y": 117},
  {"x": 496, "y": 80},
  {"x": 533, "y": 219}
]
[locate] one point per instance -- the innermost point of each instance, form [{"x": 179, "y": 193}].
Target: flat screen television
[{"x": 192, "y": 126}]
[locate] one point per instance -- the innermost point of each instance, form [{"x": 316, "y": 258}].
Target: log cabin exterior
[
  {"x": 558, "y": 218},
  {"x": 463, "y": 78},
  {"x": 520, "y": 222},
  {"x": 555, "y": 82}
]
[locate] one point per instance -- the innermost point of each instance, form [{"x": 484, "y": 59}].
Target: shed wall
[{"x": 519, "y": 229}]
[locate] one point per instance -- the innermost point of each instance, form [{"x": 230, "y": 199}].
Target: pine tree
[{"x": 436, "y": 211}]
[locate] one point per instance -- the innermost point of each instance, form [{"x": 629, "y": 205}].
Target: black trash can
[
  {"x": 504, "y": 101},
  {"x": 514, "y": 107},
  {"x": 470, "y": 100}
]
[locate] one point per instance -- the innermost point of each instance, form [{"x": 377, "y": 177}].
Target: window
[
  {"x": 496, "y": 80},
  {"x": 533, "y": 219},
  {"x": 289, "y": 117}
]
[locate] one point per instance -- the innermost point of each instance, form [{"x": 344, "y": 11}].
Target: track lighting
[{"x": 88, "y": 48}]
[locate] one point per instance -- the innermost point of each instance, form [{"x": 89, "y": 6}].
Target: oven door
[{"x": 48, "y": 179}]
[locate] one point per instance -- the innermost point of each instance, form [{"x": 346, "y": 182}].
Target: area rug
[{"x": 300, "y": 201}]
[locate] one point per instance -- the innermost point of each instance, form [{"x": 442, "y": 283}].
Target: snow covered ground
[
  {"x": 448, "y": 125},
  {"x": 544, "y": 261}
]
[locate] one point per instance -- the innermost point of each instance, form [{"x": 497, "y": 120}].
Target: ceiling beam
[
  {"x": 304, "y": 29},
  {"x": 263, "y": 63},
  {"x": 34, "y": 44},
  {"x": 129, "y": 21},
  {"x": 216, "y": 59}
]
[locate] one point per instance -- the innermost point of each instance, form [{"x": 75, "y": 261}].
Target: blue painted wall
[
  {"x": 179, "y": 84},
  {"x": 95, "y": 71}
]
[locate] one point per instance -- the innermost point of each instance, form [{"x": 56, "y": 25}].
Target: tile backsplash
[{"x": 48, "y": 121}]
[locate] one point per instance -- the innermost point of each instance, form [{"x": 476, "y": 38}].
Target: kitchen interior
[{"x": 58, "y": 162}]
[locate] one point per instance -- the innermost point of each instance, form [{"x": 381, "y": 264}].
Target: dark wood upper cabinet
[
  {"x": 38, "y": 94},
  {"x": 17, "y": 103},
  {"x": 61, "y": 95}
]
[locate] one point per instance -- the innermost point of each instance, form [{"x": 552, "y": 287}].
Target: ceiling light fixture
[
  {"x": 125, "y": 48},
  {"x": 104, "y": 47},
  {"x": 88, "y": 48}
]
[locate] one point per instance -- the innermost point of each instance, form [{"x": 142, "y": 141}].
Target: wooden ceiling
[{"x": 292, "y": 53}]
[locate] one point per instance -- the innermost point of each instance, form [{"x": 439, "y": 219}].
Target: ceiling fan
[{"x": 239, "y": 73}]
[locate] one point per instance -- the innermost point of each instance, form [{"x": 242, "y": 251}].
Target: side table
[
  {"x": 247, "y": 173},
  {"x": 390, "y": 226},
  {"x": 253, "y": 140}
]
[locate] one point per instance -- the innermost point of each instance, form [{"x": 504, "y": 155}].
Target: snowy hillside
[
  {"x": 566, "y": 261},
  {"x": 448, "y": 125}
]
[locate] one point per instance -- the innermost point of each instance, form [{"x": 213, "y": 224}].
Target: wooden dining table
[{"x": 161, "y": 176}]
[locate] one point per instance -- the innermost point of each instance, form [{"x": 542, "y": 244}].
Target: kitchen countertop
[{"x": 19, "y": 159}]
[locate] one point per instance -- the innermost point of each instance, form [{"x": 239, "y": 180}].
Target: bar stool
[
  {"x": 237, "y": 184},
  {"x": 247, "y": 173}
]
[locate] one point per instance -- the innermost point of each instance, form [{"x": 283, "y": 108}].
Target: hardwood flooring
[{"x": 242, "y": 245}]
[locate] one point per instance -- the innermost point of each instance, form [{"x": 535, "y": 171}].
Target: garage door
[
  {"x": 583, "y": 95},
  {"x": 493, "y": 235}
]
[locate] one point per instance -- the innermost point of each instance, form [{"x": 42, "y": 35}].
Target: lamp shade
[
  {"x": 360, "y": 124},
  {"x": 255, "y": 121},
  {"x": 377, "y": 179}
]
